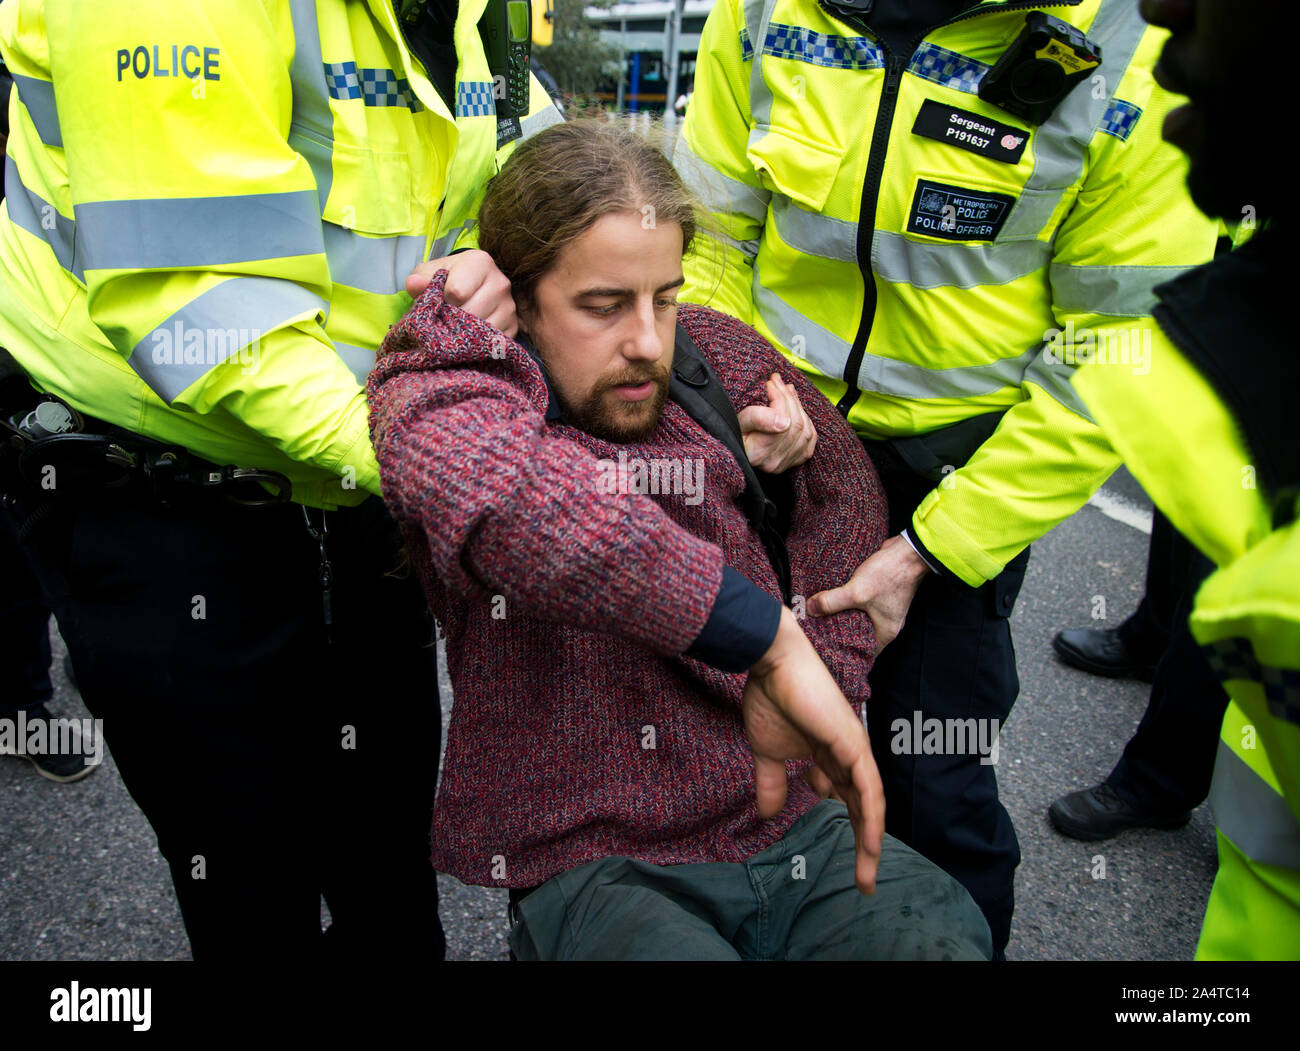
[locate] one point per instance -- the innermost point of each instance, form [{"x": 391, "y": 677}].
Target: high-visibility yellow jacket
[
  {"x": 1185, "y": 446},
  {"x": 1000, "y": 254},
  {"x": 211, "y": 210}
]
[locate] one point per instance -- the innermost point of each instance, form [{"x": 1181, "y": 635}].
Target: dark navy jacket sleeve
[{"x": 741, "y": 626}]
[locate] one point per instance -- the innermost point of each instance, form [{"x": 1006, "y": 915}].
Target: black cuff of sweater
[{"x": 741, "y": 625}]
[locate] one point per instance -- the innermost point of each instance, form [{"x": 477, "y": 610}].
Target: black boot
[
  {"x": 1099, "y": 813},
  {"x": 1101, "y": 652}
]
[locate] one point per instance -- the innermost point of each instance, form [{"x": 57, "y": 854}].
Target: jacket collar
[{"x": 554, "y": 412}]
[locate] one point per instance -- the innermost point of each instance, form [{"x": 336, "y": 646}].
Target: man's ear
[{"x": 523, "y": 313}]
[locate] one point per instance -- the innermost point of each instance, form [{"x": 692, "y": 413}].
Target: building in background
[{"x": 653, "y": 36}]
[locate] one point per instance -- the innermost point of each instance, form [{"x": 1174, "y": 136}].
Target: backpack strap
[{"x": 695, "y": 387}]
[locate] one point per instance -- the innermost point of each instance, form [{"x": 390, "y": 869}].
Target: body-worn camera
[{"x": 1037, "y": 71}]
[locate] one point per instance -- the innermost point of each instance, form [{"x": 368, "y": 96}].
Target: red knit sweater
[{"x": 578, "y": 730}]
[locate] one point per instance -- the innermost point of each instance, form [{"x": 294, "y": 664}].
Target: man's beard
[{"x": 614, "y": 420}]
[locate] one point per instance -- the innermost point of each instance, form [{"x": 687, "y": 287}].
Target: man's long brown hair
[{"x": 558, "y": 183}]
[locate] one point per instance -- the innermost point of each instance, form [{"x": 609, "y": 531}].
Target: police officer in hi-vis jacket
[
  {"x": 938, "y": 209},
  {"x": 214, "y": 212}
]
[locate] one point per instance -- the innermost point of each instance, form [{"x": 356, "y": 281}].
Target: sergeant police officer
[
  {"x": 927, "y": 279},
  {"x": 198, "y": 264}
]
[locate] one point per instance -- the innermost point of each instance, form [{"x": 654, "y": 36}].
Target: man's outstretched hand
[
  {"x": 474, "y": 284},
  {"x": 793, "y": 709}
]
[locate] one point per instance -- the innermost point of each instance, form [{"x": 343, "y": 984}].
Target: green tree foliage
[{"x": 577, "y": 58}]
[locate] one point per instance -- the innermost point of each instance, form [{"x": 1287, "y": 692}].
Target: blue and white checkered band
[
  {"x": 1232, "y": 659},
  {"x": 474, "y": 99},
  {"x": 949, "y": 68},
  {"x": 342, "y": 80},
  {"x": 1120, "y": 118},
  {"x": 1235, "y": 659},
  {"x": 375, "y": 87},
  {"x": 821, "y": 49},
  {"x": 1282, "y": 691}
]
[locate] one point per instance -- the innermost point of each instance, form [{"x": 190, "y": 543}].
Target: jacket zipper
[{"x": 896, "y": 65}]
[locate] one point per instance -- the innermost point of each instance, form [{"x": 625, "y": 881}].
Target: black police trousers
[
  {"x": 953, "y": 660},
  {"x": 24, "y": 633},
  {"x": 275, "y": 765},
  {"x": 1168, "y": 763}
]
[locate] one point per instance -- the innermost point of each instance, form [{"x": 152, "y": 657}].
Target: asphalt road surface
[{"x": 81, "y": 877}]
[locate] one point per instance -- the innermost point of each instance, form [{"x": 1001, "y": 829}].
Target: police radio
[
  {"x": 506, "y": 29},
  {"x": 1036, "y": 72}
]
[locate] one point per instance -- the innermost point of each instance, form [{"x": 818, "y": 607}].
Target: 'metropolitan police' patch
[{"x": 956, "y": 213}]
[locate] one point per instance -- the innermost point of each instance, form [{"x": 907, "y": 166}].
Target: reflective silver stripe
[
  {"x": 37, "y": 216},
  {"x": 1054, "y": 377},
  {"x": 443, "y": 245},
  {"x": 312, "y": 130},
  {"x": 900, "y": 379},
  {"x": 758, "y": 13},
  {"x": 814, "y": 234},
  {"x": 38, "y": 97},
  {"x": 902, "y": 261},
  {"x": 197, "y": 231},
  {"x": 1061, "y": 143},
  {"x": 1121, "y": 291},
  {"x": 749, "y": 249},
  {"x": 359, "y": 359},
  {"x": 372, "y": 264},
  {"x": 905, "y": 380},
  {"x": 718, "y": 192},
  {"x": 825, "y": 350},
  {"x": 163, "y": 234},
  {"x": 539, "y": 121},
  {"x": 927, "y": 265},
  {"x": 1251, "y": 814},
  {"x": 248, "y": 307}
]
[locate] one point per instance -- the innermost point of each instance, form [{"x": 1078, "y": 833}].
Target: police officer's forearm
[
  {"x": 1040, "y": 466},
  {"x": 293, "y": 392}
]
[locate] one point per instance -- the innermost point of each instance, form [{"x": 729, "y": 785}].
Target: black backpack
[{"x": 768, "y": 499}]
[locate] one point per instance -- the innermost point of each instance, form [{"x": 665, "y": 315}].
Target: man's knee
[
  {"x": 621, "y": 909},
  {"x": 918, "y": 911},
  {"x": 924, "y": 914}
]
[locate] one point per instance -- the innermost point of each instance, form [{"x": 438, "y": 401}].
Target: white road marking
[{"x": 1120, "y": 508}]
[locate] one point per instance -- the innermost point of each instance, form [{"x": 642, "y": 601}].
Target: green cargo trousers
[{"x": 796, "y": 900}]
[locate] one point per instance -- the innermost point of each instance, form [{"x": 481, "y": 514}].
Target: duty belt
[{"x": 94, "y": 456}]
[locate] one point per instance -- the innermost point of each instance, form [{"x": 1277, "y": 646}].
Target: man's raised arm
[{"x": 457, "y": 418}]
